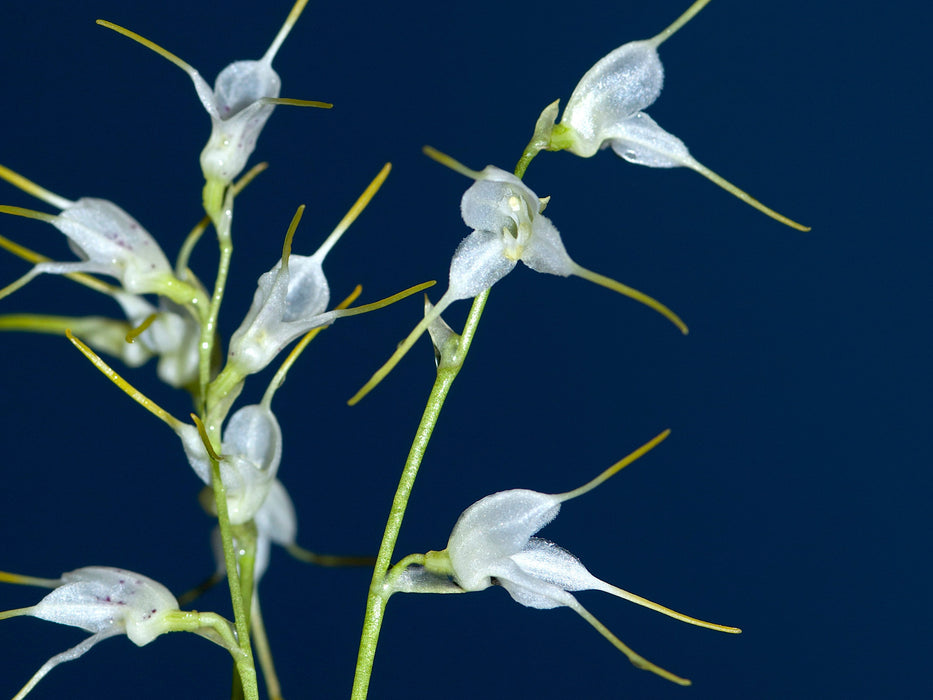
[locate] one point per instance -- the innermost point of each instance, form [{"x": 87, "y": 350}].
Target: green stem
[
  {"x": 531, "y": 150},
  {"x": 244, "y": 541},
  {"x": 222, "y": 224},
  {"x": 452, "y": 359},
  {"x": 246, "y": 667},
  {"x": 379, "y": 591}
]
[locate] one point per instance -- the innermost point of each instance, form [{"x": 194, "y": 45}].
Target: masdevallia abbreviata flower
[
  {"x": 508, "y": 227},
  {"x": 243, "y": 97},
  {"x": 107, "y": 240},
  {"x": 606, "y": 110},
  {"x": 493, "y": 543},
  {"x": 292, "y": 298},
  {"x": 251, "y": 451},
  {"x": 107, "y": 602}
]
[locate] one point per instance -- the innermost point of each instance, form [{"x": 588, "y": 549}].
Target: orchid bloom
[
  {"x": 243, "y": 97},
  {"x": 107, "y": 239},
  {"x": 251, "y": 451},
  {"x": 291, "y": 298},
  {"x": 107, "y": 602},
  {"x": 605, "y": 109},
  {"x": 509, "y": 227},
  {"x": 492, "y": 543}
]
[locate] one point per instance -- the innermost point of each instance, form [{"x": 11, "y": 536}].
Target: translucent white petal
[
  {"x": 276, "y": 519},
  {"x": 254, "y": 434},
  {"x": 97, "y": 598},
  {"x": 252, "y": 451},
  {"x": 485, "y": 205},
  {"x": 493, "y": 529},
  {"x": 545, "y": 252},
  {"x": 549, "y": 562},
  {"x": 478, "y": 263},
  {"x": 241, "y": 84},
  {"x": 173, "y": 336},
  {"x": 233, "y": 141},
  {"x": 640, "y": 140},
  {"x": 102, "y": 233},
  {"x": 528, "y": 590},
  {"x": 620, "y": 84},
  {"x": 308, "y": 292},
  {"x": 194, "y": 450}
]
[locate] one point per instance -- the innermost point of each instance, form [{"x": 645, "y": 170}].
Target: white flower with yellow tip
[
  {"x": 605, "y": 109},
  {"x": 251, "y": 451},
  {"x": 107, "y": 240},
  {"x": 509, "y": 227},
  {"x": 243, "y": 97},
  {"x": 107, "y": 602},
  {"x": 492, "y": 543},
  {"x": 292, "y": 298}
]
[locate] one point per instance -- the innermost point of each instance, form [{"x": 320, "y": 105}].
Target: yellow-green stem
[
  {"x": 378, "y": 591},
  {"x": 222, "y": 223},
  {"x": 246, "y": 667}
]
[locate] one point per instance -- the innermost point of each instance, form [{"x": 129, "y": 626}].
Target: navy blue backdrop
[{"x": 792, "y": 498}]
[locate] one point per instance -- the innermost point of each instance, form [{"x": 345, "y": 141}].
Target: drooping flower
[
  {"x": 106, "y": 602},
  {"x": 251, "y": 451},
  {"x": 492, "y": 543},
  {"x": 243, "y": 97},
  {"x": 509, "y": 227},
  {"x": 606, "y": 109}
]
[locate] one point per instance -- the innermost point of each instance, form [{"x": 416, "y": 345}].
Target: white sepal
[
  {"x": 494, "y": 528},
  {"x": 618, "y": 86},
  {"x": 99, "y": 598}
]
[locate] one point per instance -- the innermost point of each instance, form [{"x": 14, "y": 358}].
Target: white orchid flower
[
  {"x": 250, "y": 454},
  {"x": 292, "y": 298},
  {"x": 492, "y": 543},
  {"x": 243, "y": 97},
  {"x": 107, "y": 602},
  {"x": 107, "y": 240},
  {"x": 605, "y": 109},
  {"x": 509, "y": 227}
]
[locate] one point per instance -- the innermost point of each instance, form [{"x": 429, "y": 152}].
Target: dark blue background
[{"x": 792, "y": 498}]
